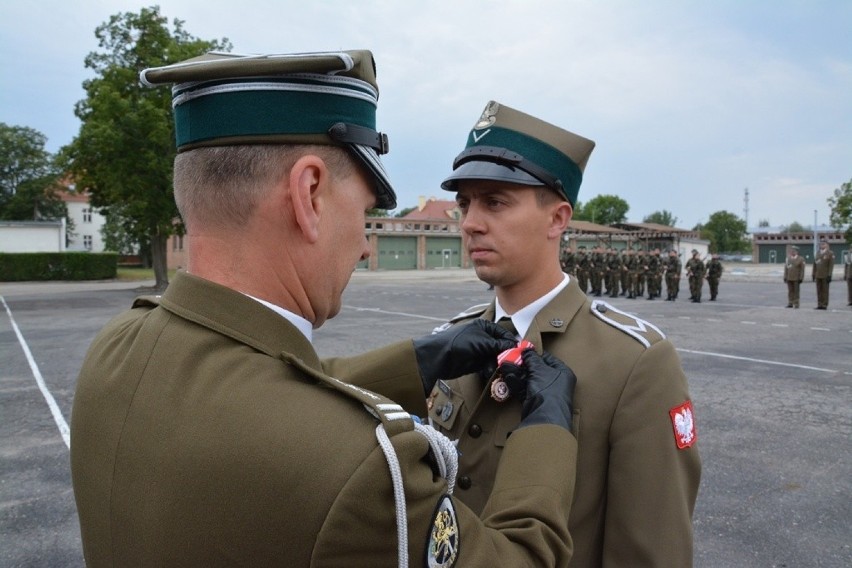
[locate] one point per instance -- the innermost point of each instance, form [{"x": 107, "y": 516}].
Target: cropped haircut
[{"x": 220, "y": 186}]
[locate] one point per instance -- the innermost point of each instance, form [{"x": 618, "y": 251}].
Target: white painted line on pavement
[
  {"x": 749, "y": 322},
  {"x": 51, "y": 402},
  {"x": 780, "y": 325},
  {"x": 764, "y": 361}
]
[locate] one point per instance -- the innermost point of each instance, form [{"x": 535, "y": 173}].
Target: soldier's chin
[{"x": 484, "y": 274}]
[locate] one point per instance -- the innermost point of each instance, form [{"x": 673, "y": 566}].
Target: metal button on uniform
[
  {"x": 475, "y": 430},
  {"x": 465, "y": 482}
]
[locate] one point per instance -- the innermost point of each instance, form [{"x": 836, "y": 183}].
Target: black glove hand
[
  {"x": 460, "y": 350},
  {"x": 550, "y": 391}
]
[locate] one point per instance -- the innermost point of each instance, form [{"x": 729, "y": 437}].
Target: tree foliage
[
  {"x": 726, "y": 232},
  {"x": 125, "y": 149},
  {"x": 841, "y": 209},
  {"x": 795, "y": 227},
  {"x": 28, "y": 176},
  {"x": 603, "y": 210},
  {"x": 663, "y": 217}
]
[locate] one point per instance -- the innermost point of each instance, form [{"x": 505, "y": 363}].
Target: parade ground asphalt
[{"x": 772, "y": 390}]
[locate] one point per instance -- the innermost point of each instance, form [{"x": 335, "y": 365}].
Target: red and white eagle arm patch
[{"x": 683, "y": 423}]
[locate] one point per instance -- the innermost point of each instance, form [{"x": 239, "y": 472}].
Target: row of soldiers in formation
[{"x": 629, "y": 272}]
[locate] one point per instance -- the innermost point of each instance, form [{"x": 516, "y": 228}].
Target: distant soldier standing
[
  {"x": 614, "y": 266},
  {"x": 653, "y": 274},
  {"x": 847, "y": 275},
  {"x": 673, "y": 268},
  {"x": 596, "y": 270},
  {"x": 794, "y": 273},
  {"x": 821, "y": 273},
  {"x": 625, "y": 270},
  {"x": 641, "y": 267},
  {"x": 582, "y": 267},
  {"x": 695, "y": 274},
  {"x": 714, "y": 274},
  {"x": 567, "y": 260}
]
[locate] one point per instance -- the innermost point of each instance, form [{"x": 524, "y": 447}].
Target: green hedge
[{"x": 27, "y": 266}]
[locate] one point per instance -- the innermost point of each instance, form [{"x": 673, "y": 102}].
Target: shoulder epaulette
[
  {"x": 146, "y": 302},
  {"x": 642, "y": 331},
  {"x": 392, "y": 416},
  {"x": 473, "y": 311},
  {"x": 469, "y": 313}
]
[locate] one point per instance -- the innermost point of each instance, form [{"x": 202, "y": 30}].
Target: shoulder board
[
  {"x": 642, "y": 331},
  {"x": 147, "y": 301},
  {"x": 471, "y": 312},
  {"x": 390, "y": 414}
]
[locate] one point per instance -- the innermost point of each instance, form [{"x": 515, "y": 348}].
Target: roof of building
[{"x": 433, "y": 209}]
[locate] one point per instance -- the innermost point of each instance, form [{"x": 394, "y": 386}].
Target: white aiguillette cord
[{"x": 446, "y": 458}]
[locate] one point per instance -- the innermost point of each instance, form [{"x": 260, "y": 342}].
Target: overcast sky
[{"x": 690, "y": 103}]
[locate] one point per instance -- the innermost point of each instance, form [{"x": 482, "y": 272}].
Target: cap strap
[
  {"x": 506, "y": 157},
  {"x": 360, "y": 135}
]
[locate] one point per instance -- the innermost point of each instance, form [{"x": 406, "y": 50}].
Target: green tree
[
  {"x": 124, "y": 151},
  {"x": 841, "y": 209},
  {"x": 28, "y": 176},
  {"x": 794, "y": 227},
  {"x": 405, "y": 211},
  {"x": 726, "y": 232},
  {"x": 661, "y": 218},
  {"x": 763, "y": 223},
  {"x": 603, "y": 210}
]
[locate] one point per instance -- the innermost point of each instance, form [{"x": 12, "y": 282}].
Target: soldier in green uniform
[
  {"x": 597, "y": 268},
  {"x": 567, "y": 260},
  {"x": 638, "y": 465},
  {"x": 653, "y": 273},
  {"x": 821, "y": 273},
  {"x": 714, "y": 274},
  {"x": 673, "y": 268},
  {"x": 794, "y": 273},
  {"x": 695, "y": 276},
  {"x": 626, "y": 255},
  {"x": 206, "y": 431},
  {"x": 641, "y": 270},
  {"x": 633, "y": 274},
  {"x": 583, "y": 269},
  {"x": 847, "y": 275},
  {"x": 614, "y": 267}
]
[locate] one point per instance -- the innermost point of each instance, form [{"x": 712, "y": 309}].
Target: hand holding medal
[{"x": 510, "y": 372}]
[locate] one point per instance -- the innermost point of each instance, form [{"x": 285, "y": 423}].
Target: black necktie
[{"x": 506, "y": 323}]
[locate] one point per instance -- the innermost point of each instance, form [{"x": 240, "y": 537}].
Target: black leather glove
[
  {"x": 459, "y": 350},
  {"x": 550, "y": 391}
]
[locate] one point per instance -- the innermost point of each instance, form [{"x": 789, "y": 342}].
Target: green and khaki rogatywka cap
[
  {"x": 328, "y": 98},
  {"x": 511, "y": 146}
]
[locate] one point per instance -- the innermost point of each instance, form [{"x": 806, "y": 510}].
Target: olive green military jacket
[
  {"x": 638, "y": 467},
  {"x": 823, "y": 265},
  {"x": 794, "y": 269},
  {"x": 695, "y": 268},
  {"x": 206, "y": 432},
  {"x": 714, "y": 269}
]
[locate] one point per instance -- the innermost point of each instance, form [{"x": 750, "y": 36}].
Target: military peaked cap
[
  {"x": 509, "y": 145},
  {"x": 303, "y": 98}
]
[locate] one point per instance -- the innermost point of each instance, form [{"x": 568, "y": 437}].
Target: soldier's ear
[
  {"x": 559, "y": 219},
  {"x": 307, "y": 180}
]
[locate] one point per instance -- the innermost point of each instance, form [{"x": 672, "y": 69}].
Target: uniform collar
[
  {"x": 523, "y": 318},
  {"x": 299, "y": 322},
  {"x": 237, "y": 316}
]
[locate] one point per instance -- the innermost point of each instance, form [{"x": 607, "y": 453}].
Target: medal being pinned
[{"x": 509, "y": 371}]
